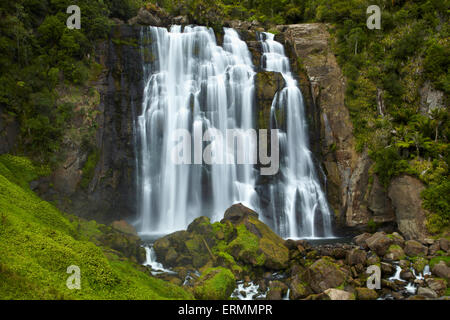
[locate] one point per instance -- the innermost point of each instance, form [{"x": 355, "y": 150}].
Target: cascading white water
[
  {"x": 303, "y": 201},
  {"x": 191, "y": 83}
]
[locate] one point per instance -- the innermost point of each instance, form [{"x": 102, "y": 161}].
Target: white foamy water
[
  {"x": 194, "y": 85},
  {"x": 251, "y": 291},
  {"x": 304, "y": 207},
  {"x": 157, "y": 268}
]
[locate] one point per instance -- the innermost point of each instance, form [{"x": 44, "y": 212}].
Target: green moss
[
  {"x": 436, "y": 260},
  {"x": 215, "y": 284},
  {"x": 89, "y": 168},
  {"x": 247, "y": 244},
  {"x": 38, "y": 243}
]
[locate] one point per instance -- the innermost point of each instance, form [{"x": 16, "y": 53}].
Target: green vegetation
[
  {"x": 38, "y": 243},
  {"x": 215, "y": 284},
  {"x": 39, "y": 53},
  {"x": 89, "y": 168}
]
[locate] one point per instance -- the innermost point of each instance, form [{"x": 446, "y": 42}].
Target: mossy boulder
[
  {"x": 366, "y": 294},
  {"x": 419, "y": 264},
  {"x": 215, "y": 284},
  {"x": 255, "y": 243},
  {"x": 299, "y": 289},
  {"x": 414, "y": 248},
  {"x": 324, "y": 274},
  {"x": 395, "y": 252},
  {"x": 277, "y": 290}
]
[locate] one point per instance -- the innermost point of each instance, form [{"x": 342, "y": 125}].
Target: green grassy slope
[{"x": 38, "y": 243}]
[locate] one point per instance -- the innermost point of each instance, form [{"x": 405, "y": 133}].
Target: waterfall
[
  {"x": 193, "y": 85},
  {"x": 305, "y": 212}
]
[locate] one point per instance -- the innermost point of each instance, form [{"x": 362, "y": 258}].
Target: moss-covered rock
[
  {"x": 395, "y": 252},
  {"x": 419, "y": 263},
  {"x": 215, "y": 284},
  {"x": 255, "y": 242},
  {"x": 324, "y": 274},
  {"x": 366, "y": 294},
  {"x": 298, "y": 289}
]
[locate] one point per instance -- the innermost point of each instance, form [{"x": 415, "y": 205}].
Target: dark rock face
[{"x": 109, "y": 192}]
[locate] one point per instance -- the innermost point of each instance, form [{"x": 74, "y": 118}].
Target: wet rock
[
  {"x": 404, "y": 264},
  {"x": 324, "y": 274},
  {"x": 267, "y": 84},
  {"x": 379, "y": 242},
  {"x": 366, "y": 294},
  {"x": 407, "y": 275},
  {"x": 427, "y": 292},
  {"x": 419, "y": 264},
  {"x": 441, "y": 270},
  {"x": 387, "y": 268},
  {"x": 277, "y": 290},
  {"x": 336, "y": 294},
  {"x": 414, "y": 248},
  {"x": 437, "y": 285}
]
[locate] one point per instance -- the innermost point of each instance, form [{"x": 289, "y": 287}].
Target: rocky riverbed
[{"x": 241, "y": 258}]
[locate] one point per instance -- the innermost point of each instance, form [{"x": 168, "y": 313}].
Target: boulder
[
  {"x": 336, "y": 294},
  {"x": 441, "y": 270},
  {"x": 434, "y": 248},
  {"x": 427, "y": 292},
  {"x": 277, "y": 290},
  {"x": 215, "y": 284},
  {"x": 398, "y": 239},
  {"x": 298, "y": 289},
  {"x": 419, "y": 264},
  {"x": 379, "y": 243},
  {"x": 255, "y": 244},
  {"x": 324, "y": 274},
  {"x": 356, "y": 256},
  {"x": 360, "y": 240},
  {"x": 366, "y": 294},
  {"x": 127, "y": 244},
  {"x": 444, "y": 244},
  {"x": 437, "y": 285},
  {"x": 404, "y": 192},
  {"x": 414, "y": 248},
  {"x": 144, "y": 17},
  {"x": 395, "y": 253}
]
